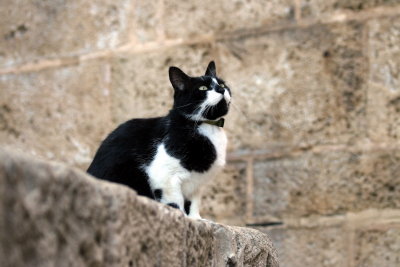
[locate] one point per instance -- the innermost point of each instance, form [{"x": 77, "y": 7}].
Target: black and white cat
[{"x": 170, "y": 158}]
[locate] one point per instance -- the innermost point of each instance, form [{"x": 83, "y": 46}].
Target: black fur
[
  {"x": 158, "y": 194},
  {"x": 123, "y": 154},
  {"x": 187, "y": 206}
]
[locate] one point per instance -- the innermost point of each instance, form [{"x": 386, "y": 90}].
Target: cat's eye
[
  {"x": 222, "y": 85},
  {"x": 203, "y": 88}
]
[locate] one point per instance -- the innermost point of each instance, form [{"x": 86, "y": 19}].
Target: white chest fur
[
  {"x": 166, "y": 172},
  {"x": 218, "y": 138}
]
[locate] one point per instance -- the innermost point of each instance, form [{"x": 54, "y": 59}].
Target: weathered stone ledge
[{"x": 53, "y": 215}]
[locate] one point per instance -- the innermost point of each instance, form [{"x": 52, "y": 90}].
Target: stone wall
[
  {"x": 52, "y": 215},
  {"x": 314, "y": 156}
]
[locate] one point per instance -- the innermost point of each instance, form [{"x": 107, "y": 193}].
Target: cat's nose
[{"x": 220, "y": 90}]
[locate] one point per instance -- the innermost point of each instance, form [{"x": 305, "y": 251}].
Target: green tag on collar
[{"x": 219, "y": 123}]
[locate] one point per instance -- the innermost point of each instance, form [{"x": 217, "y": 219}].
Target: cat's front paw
[
  {"x": 198, "y": 217},
  {"x": 206, "y": 220},
  {"x": 195, "y": 216}
]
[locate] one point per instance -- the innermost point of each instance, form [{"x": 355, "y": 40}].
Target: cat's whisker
[
  {"x": 206, "y": 109},
  {"x": 183, "y": 106},
  {"x": 198, "y": 108},
  {"x": 213, "y": 107},
  {"x": 194, "y": 128},
  {"x": 272, "y": 116},
  {"x": 240, "y": 110},
  {"x": 188, "y": 104}
]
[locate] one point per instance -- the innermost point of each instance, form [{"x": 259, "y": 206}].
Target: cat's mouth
[
  {"x": 215, "y": 106},
  {"x": 212, "y": 110}
]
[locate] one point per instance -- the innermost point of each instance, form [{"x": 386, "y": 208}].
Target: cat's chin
[
  {"x": 214, "y": 118},
  {"x": 218, "y": 111}
]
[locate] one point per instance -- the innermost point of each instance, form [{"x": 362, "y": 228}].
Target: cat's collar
[{"x": 219, "y": 123}]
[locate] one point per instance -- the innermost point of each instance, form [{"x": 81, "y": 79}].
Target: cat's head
[{"x": 200, "y": 98}]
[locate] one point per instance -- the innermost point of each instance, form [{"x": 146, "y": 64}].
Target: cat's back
[
  {"x": 137, "y": 133},
  {"x": 131, "y": 143}
]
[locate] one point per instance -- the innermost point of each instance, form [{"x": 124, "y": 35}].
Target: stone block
[
  {"x": 61, "y": 113},
  {"x": 140, "y": 84},
  {"x": 50, "y": 29},
  {"x": 323, "y": 9},
  {"x": 379, "y": 247},
  {"x": 193, "y": 18},
  {"x": 147, "y": 20},
  {"x": 224, "y": 198},
  {"x": 298, "y": 247},
  {"x": 383, "y": 110},
  {"x": 57, "y": 216},
  {"x": 327, "y": 183},
  {"x": 296, "y": 87}
]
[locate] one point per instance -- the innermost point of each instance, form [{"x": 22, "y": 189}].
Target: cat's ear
[
  {"x": 211, "y": 69},
  {"x": 178, "y": 78}
]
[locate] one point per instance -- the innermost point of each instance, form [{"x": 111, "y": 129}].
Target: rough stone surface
[
  {"x": 52, "y": 215},
  {"x": 384, "y": 80},
  {"x": 329, "y": 183},
  {"x": 193, "y": 18},
  {"x": 224, "y": 198},
  {"x": 139, "y": 93},
  {"x": 298, "y": 247},
  {"x": 378, "y": 247},
  {"x": 321, "y": 9},
  {"x": 56, "y": 113},
  {"x": 311, "y": 92},
  {"x": 147, "y": 20},
  {"x": 30, "y": 30}
]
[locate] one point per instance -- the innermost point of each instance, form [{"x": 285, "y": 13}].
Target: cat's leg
[
  {"x": 172, "y": 195},
  {"x": 194, "y": 207}
]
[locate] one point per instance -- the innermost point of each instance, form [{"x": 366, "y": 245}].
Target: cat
[{"x": 171, "y": 158}]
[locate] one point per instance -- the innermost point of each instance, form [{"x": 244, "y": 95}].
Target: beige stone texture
[
  {"x": 296, "y": 87},
  {"x": 60, "y": 113},
  {"x": 224, "y": 198},
  {"x": 384, "y": 80},
  {"x": 378, "y": 247},
  {"x": 147, "y": 18},
  {"x": 298, "y": 247},
  {"x": 313, "y": 130},
  {"x": 31, "y": 30},
  {"x": 326, "y": 183},
  {"x": 323, "y": 9},
  {"x": 140, "y": 83},
  {"x": 52, "y": 215},
  {"x": 186, "y": 19}
]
